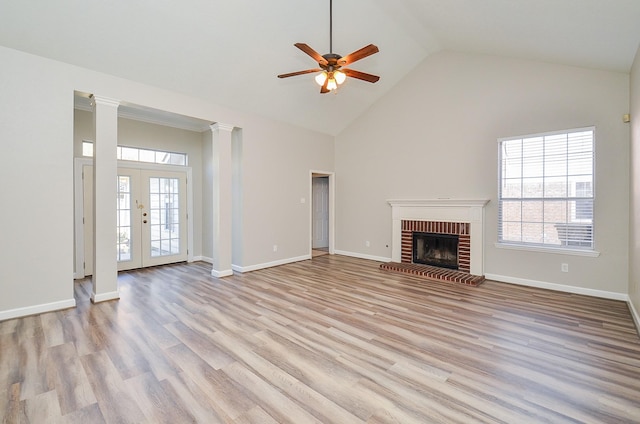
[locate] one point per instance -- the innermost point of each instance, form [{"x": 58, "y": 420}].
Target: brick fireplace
[
  {"x": 459, "y": 217},
  {"x": 460, "y": 229}
]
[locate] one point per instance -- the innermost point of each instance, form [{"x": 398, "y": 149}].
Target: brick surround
[
  {"x": 462, "y": 217},
  {"x": 461, "y": 229}
]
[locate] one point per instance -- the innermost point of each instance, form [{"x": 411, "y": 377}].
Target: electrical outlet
[
  {"x": 366, "y": 243},
  {"x": 275, "y": 247},
  {"x": 564, "y": 267}
]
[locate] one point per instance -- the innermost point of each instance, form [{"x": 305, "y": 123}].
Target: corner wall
[
  {"x": 634, "y": 223},
  {"x": 435, "y": 135}
]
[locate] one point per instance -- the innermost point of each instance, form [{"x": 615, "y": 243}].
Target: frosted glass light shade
[
  {"x": 331, "y": 85},
  {"x": 321, "y": 78},
  {"x": 339, "y": 76}
]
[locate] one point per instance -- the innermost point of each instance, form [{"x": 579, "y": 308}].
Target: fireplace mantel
[{"x": 445, "y": 210}]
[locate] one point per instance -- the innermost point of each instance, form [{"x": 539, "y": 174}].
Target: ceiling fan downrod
[{"x": 330, "y": 26}]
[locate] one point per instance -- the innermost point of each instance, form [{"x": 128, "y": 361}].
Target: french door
[{"x": 151, "y": 225}]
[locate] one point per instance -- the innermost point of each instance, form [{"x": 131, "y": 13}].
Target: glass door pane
[
  {"x": 124, "y": 218},
  {"x": 164, "y": 208},
  {"x": 164, "y": 223}
]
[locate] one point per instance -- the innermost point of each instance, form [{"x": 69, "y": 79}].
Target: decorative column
[
  {"x": 222, "y": 199},
  {"x": 105, "y": 175}
]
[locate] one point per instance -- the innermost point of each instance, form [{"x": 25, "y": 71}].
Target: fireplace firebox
[{"x": 435, "y": 249}]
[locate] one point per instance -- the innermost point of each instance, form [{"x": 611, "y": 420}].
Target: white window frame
[
  {"x": 142, "y": 155},
  {"x": 567, "y": 245}
]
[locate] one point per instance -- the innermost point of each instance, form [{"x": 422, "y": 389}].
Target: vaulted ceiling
[{"x": 230, "y": 52}]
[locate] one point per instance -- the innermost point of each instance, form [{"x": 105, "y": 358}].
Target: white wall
[
  {"x": 36, "y": 109},
  {"x": 36, "y": 133},
  {"x": 634, "y": 229},
  {"x": 275, "y": 168},
  {"x": 435, "y": 135}
]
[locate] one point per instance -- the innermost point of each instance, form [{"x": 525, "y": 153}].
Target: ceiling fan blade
[
  {"x": 314, "y": 54},
  {"x": 324, "y": 88},
  {"x": 293, "y": 74},
  {"x": 361, "y": 75},
  {"x": 358, "y": 54}
]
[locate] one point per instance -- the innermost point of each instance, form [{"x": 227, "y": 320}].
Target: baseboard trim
[
  {"x": 221, "y": 274},
  {"x": 634, "y": 315},
  {"x": 104, "y": 297},
  {"x": 270, "y": 264},
  {"x": 558, "y": 287},
  {"x": 362, "y": 256},
  {"x": 37, "y": 309},
  {"x": 202, "y": 259}
]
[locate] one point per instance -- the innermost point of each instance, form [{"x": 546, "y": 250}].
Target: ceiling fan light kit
[{"x": 330, "y": 65}]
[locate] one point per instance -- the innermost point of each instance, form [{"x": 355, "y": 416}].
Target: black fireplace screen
[{"x": 435, "y": 249}]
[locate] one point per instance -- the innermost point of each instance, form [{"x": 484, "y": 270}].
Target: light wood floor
[{"x": 329, "y": 340}]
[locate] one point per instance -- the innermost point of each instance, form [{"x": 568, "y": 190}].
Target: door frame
[
  {"x": 331, "y": 175},
  {"x": 78, "y": 202}
]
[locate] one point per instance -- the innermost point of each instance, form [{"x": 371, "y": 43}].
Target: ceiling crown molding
[{"x": 148, "y": 115}]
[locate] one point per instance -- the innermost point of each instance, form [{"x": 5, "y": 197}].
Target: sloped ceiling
[{"x": 230, "y": 52}]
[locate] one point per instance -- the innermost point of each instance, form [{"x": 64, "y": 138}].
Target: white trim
[
  {"x": 362, "y": 256},
  {"x": 548, "y": 249},
  {"x": 201, "y": 259},
  {"x": 103, "y": 297},
  {"x": 222, "y": 127},
  {"x": 190, "y": 214},
  {"x": 634, "y": 315},
  {"x": 78, "y": 191},
  {"x": 469, "y": 211},
  {"x": 220, "y": 274},
  {"x": 332, "y": 208},
  {"x": 443, "y": 203},
  {"x": 589, "y": 178},
  {"x": 558, "y": 287},
  {"x": 37, "y": 309},
  {"x": 270, "y": 264},
  {"x": 548, "y": 133}
]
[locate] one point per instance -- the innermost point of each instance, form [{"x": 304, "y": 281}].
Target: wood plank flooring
[{"x": 328, "y": 340}]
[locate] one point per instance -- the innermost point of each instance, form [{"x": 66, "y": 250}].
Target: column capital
[
  {"x": 106, "y": 101},
  {"x": 220, "y": 126}
]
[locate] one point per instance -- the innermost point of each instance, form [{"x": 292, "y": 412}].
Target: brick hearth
[
  {"x": 434, "y": 273},
  {"x": 461, "y": 275}
]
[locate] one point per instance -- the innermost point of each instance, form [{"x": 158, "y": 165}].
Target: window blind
[{"x": 546, "y": 189}]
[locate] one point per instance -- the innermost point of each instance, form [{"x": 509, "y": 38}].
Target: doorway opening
[
  {"x": 322, "y": 214},
  {"x": 152, "y": 205}
]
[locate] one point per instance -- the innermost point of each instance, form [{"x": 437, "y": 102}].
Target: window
[
  {"x": 141, "y": 155},
  {"x": 546, "y": 190},
  {"x": 87, "y": 148}
]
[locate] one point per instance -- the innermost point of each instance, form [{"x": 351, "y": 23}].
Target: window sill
[{"x": 545, "y": 249}]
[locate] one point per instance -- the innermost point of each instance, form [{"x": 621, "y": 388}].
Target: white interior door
[
  {"x": 320, "y": 218},
  {"x": 151, "y": 208}
]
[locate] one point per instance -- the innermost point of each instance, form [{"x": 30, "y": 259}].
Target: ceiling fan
[{"x": 331, "y": 65}]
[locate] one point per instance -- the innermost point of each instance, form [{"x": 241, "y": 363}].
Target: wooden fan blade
[
  {"x": 314, "y": 54},
  {"x": 358, "y": 54},
  {"x": 360, "y": 75},
  {"x": 324, "y": 88},
  {"x": 293, "y": 74}
]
